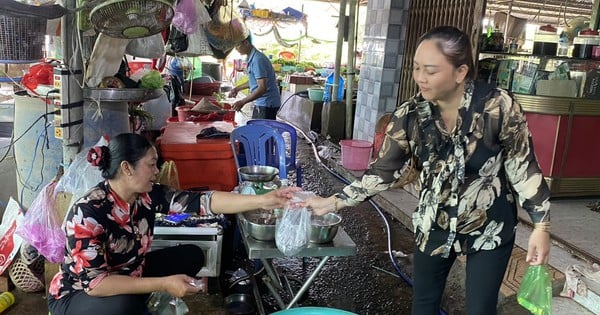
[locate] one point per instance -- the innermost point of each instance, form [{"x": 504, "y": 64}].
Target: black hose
[{"x": 401, "y": 273}]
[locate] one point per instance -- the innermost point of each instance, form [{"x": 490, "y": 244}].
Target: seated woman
[{"x": 108, "y": 266}]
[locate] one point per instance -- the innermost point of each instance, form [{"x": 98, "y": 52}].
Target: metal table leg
[
  {"x": 271, "y": 272},
  {"x": 308, "y": 281}
]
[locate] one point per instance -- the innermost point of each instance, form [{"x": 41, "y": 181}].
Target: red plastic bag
[{"x": 41, "y": 73}]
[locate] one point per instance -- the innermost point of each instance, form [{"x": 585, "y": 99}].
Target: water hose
[{"x": 401, "y": 273}]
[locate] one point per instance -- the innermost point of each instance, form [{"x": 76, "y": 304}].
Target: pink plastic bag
[
  {"x": 186, "y": 17},
  {"x": 41, "y": 226}
]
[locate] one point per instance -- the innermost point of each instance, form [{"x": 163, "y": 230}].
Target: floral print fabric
[
  {"x": 468, "y": 176},
  {"x": 106, "y": 235}
]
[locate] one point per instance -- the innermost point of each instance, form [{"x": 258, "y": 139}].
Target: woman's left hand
[
  {"x": 538, "y": 251},
  {"x": 279, "y": 198}
]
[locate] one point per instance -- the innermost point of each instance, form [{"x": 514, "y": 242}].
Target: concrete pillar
[{"x": 383, "y": 49}]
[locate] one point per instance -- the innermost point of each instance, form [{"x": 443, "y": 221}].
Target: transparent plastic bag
[
  {"x": 292, "y": 230},
  {"x": 80, "y": 176},
  {"x": 41, "y": 226},
  {"x": 535, "y": 292},
  {"x": 162, "y": 303},
  {"x": 226, "y": 29},
  {"x": 168, "y": 175},
  {"x": 151, "y": 47}
]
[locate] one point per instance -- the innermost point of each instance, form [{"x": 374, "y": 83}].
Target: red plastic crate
[{"x": 203, "y": 163}]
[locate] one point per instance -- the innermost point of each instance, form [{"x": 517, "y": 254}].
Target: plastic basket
[
  {"x": 356, "y": 154},
  {"x": 21, "y": 38},
  {"x": 27, "y": 277}
]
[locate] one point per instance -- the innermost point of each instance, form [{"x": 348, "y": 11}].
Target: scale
[{"x": 258, "y": 179}]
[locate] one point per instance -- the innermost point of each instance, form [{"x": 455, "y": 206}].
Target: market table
[{"x": 341, "y": 245}]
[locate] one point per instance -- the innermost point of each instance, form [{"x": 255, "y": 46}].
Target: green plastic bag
[{"x": 535, "y": 293}]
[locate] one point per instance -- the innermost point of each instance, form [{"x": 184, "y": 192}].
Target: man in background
[{"x": 262, "y": 82}]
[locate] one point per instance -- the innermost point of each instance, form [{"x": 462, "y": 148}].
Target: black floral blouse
[
  {"x": 106, "y": 235},
  {"x": 467, "y": 177}
]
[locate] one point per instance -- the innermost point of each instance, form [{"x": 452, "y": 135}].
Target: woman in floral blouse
[
  {"x": 476, "y": 160},
  {"x": 108, "y": 268}
]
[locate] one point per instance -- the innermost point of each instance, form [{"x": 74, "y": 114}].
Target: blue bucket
[
  {"x": 313, "y": 310},
  {"x": 329, "y": 86}
]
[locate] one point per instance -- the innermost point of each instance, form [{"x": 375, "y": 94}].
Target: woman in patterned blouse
[
  {"x": 108, "y": 268},
  {"x": 475, "y": 157}
]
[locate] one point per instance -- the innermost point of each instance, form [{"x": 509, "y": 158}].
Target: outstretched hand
[
  {"x": 180, "y": 285},
  {"x": 320, "y": 205},
  {"x": 279, "y": 198}
]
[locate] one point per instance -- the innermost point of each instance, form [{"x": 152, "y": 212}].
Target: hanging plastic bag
[
  {"x": 226, "y": 29},
  {"x": 105, "y": 59},
  {"x": 189, "y": 15},
  {"x": 177, "y": 41},
  {"x": 151, "y": 47},
  {"x": 197, "y": 45},
  {"x": 535, "y": 292},
  {"x": 41, "y": 73},
  {"x": 292, "y": 231},
  {"x": 80, "y": 176},
  {"x": 41, "y": 226},
  {"x": 168, "y": 175}
]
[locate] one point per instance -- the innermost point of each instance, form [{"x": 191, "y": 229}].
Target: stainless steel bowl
[
  {"x": 258, "y": 173},
  {"x": 324, "y": 228},
  {"x": 240, "y": 304},
  {"x": 260, "y": 224}
]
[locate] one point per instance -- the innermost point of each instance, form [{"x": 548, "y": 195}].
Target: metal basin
[
  {"x": 324, "y": 228},
  {"x": 239, "y": 304},
  {"x": 258, "y": 173},
  {"x": 260, "y": 224}
]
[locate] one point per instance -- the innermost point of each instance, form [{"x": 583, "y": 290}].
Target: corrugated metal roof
[{"x": 555, "y": 12}]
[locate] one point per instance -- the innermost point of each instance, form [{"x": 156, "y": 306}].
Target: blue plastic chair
[
  {"x": 254, "y": 144},
  {"x": 290, "y": 158}
]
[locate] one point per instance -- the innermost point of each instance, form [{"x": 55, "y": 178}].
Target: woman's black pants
[
  {"x": 183, "y": 259},
  {"x": 485, "y": 271}
]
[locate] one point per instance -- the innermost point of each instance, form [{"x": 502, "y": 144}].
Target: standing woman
[
  {"x": 108, "y": 267},
  {"x": 474, "y": 151}
]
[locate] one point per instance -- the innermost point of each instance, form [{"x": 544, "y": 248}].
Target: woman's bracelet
[
  {"x": 543, "y": 226},
  {"x": 335, "y": 206}
]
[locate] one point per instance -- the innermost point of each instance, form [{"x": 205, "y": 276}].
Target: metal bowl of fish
[{"x": 260, "y": 224}]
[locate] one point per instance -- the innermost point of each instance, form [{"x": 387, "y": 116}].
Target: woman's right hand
[
  {"x": 321, "y": 206},
  {"x": 180, "y": 285}
]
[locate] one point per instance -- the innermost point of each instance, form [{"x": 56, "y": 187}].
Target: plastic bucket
[
  {"x": 37, "y": 163},
  {"x": 315, "y": 95},
  {"x": 356, "y": 154},
  {"x": 329, "y": 87}
]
